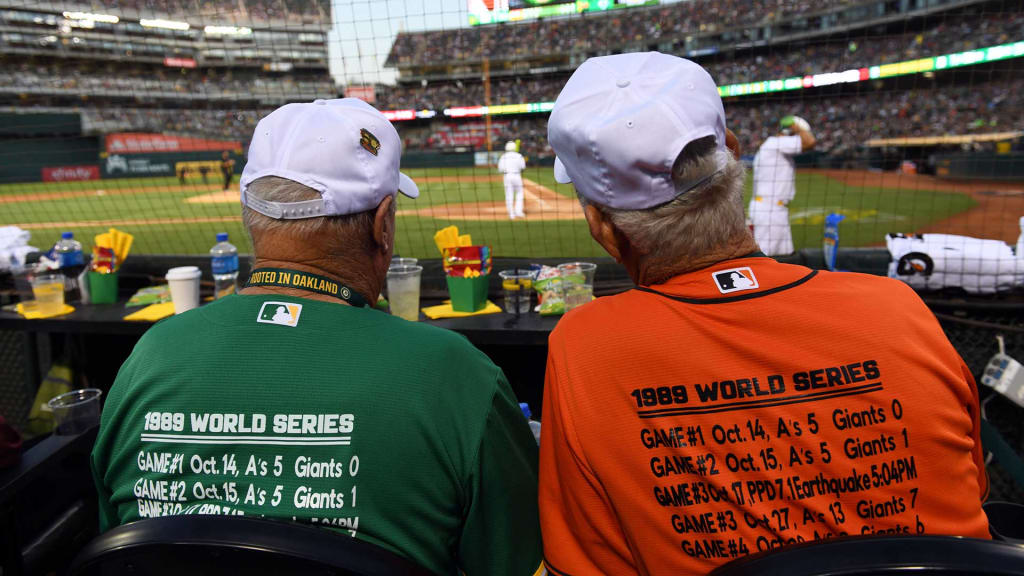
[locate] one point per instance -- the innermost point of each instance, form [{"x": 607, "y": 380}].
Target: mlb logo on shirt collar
[
  {"x": 280, "y": 313},
  {"x": 735, "y": 279}
]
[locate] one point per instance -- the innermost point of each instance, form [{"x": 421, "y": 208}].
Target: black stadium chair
[
  {"x": 197, "y": 545},
  {"x": 884, "y": 555}
]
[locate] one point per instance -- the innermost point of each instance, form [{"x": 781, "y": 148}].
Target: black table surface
[{"x": 490, "y": 329}]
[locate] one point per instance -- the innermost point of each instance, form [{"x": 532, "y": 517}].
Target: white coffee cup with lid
[{"x": 184, "y": 283}]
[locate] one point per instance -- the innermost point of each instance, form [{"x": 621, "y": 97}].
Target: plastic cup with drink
[
  {"x": 404, "y": 291},
  {"x": 577, "y": 283},
  {"x": 48, "y": 290},
  {"x": 517, "y": 284}
]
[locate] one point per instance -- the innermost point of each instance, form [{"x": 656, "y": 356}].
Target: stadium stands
[
  {"x": 843, "y": 124},
  {"x": 243, "y": 12},
  {"x": 56, "y": 79},
  {"x": 795, "y": 60},
  {"x": 649, "y": 26}
]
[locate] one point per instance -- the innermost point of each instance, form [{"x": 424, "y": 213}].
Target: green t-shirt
[{"x": 399, "y": 433}]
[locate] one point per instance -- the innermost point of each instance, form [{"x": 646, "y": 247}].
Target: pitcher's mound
[{"x": 223, "y": 197}]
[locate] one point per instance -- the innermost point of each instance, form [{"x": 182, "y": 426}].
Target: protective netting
[
  {"x": 972, "y": 329},
  {"x": 127, "y": 114}
]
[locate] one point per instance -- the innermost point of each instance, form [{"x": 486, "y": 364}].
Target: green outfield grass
[{"x": 871, "y": 213}]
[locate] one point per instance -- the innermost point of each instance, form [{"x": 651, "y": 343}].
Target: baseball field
[{"x": 168, "y": 217}]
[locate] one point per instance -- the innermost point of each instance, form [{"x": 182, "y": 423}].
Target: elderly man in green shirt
[{"x": 294, "y": 399}]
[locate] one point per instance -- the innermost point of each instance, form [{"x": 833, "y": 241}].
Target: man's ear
[
  {"x": 384, "y": 225},
  {"x": 602, "y": 231},
  {"x": 732, "y": 143}
]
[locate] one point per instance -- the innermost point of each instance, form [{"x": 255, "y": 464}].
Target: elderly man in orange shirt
[{"x": 730, "y": 403}]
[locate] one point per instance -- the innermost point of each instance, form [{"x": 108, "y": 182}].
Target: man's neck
[
  {"x": 648, "y": 275},
  {"x": 356, "y": 282}
]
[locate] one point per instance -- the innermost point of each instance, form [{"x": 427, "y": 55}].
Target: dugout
[{"x": 986, "y": 156}]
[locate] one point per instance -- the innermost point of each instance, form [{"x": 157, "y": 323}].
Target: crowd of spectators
[
  {"x": 841, "y": 124},
  {"x": 199, "y": 123},
  {"x": 35, "y": 78},
  {"x": 948, "y": 36},
  {"x": 953, "y": 35},
  {"x": 243, "y": 12},
  {"x": 595, "y": 30}
]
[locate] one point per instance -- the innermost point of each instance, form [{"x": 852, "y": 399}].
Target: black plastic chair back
[
  {"x": 1005, "y": 521},
  {"x": 904, "y": 555},
  {"x": 197, "y": 545}
]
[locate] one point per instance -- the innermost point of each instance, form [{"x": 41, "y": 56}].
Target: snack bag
[{"x": 549, "y": 287}]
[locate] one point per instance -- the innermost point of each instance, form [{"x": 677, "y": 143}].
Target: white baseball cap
[
  {"x": 344, "y": 149},
  {"x": 621, "y": 121},
  {"x": 510, "y": 146}
]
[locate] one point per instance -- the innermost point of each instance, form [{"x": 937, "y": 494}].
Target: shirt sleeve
[
  {"x": 791, "y": 145},
  {"x": 522, "y": 163},
  {"x": 502, "y": 164},
  {"x": 501, "y": 532},
  {"x": 581, "y": 534}
]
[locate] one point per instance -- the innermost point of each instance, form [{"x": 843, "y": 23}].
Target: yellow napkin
[
  {"x": 32, "y": 313},
  {"x": 445, "y": 311},
  {"x": 152, "y": 313}
]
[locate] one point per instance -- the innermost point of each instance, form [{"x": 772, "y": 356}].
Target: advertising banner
[
  {"x": 180, "y": 62},
  {"x": 123, "y": 166},
  {"x": 466, "y": 134},
  {"x": 142, "y": 143},
  {"x": 71, "y": 173}
]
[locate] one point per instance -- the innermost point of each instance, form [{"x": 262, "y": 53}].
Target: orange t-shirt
[{"x": 746, "y": 406}]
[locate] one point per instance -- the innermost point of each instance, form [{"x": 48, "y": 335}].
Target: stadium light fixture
[
  {"x": 167, "y": 24},
  {"x": 227, "y": 31},
  {"x": 91, "y": 17}
]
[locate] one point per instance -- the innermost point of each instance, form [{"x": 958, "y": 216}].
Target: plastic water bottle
[
  {"x": 534, "y": 425},
  {"x": 224, "y": 261},
  {"x": 69, "y": 255}
]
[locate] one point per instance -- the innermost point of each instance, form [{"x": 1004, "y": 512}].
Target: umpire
[
  {"x": 227, "y": 168},
  {"x": 730, "y": 403}
]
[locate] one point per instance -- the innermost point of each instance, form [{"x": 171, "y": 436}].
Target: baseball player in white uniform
[
  {"x": 512, "y": 164},
  {"x": 775, "y": 185}
]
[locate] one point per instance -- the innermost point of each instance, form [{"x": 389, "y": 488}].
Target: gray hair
[
  {"x": 352, "y": 231},
  {"x": 696, "y": 222}
]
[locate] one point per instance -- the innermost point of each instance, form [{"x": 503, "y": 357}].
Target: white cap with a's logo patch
[
  {"x": 344, "y": 149},
  {"x": 621, "y": 121}
]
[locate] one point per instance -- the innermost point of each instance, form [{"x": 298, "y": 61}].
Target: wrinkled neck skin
[
  {"x": 361, "y": 273},
  {"x": 646, "y": 272}
]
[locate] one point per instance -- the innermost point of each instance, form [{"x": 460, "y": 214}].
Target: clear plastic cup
[
  {"x": 517, "y": 285},
  {"x": 404, "y": 291},
  {"x": 184, "y": 284},
  {"x": 396, "y": 261},
  {"x": 76, "y": 411},
  {"x": 48, "y": 290},
  {"x": 577, "y": 283}
]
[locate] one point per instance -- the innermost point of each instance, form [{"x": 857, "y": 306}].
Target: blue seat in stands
[
  {"x": 196, "y": 545},
  {"x": 884, "y": 555}
]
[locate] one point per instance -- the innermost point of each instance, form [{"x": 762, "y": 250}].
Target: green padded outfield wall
[{"x": 23, "y": 159}]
